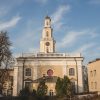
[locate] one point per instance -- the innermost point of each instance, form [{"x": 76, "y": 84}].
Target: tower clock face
[{"x": 47, "y": 43}]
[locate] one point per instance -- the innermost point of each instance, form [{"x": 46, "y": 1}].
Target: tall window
[
  {"x": 92, "y": 85},
  {"x": 94, "y": 72},
  {"x": 47, "y": 23},
  {"x": 47, "y": 34},
  {"x": 95, "y": 85},
  {"x": 91, "y": 74},
  {"x": 71, "y": 71},
  {"x": 28, "y": 72}
]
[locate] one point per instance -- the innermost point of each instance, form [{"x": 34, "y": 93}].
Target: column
[{"x": 15, "y": 79}]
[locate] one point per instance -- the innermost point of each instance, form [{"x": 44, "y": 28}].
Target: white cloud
[
  {"x": 98, "y": 48},
  {"x": 89, "y": 51},
  {"x": 35, "y": 50},
  {"x": 72, "y": 36},
  {"x": 94, "y": 34},
  {"x": 28, "y": 38},
  {"x": 85, "y": 47},
  {"x": 9, "y": 24},
  {"x": 17, "y": 55},
  {"x": 8, "y": 6},
  {"x": 12, "y": 47},
  {"x": 58, "y": 15}
]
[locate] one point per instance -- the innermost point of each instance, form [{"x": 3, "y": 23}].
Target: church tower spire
[
  {"x": 47, "y": 22},
  {"x": 47, "y": 43}
]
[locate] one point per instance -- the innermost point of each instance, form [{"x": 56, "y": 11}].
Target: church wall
[
  {"x": 60, "y": 68},
  {"x": 57, "y": 70},
  {"x": 35, "y": 85}
]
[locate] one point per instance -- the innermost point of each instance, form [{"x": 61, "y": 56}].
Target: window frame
[
  {"x": 91, "y": 73},
  {"x": 91, "y": 85},
  {"x": 47, "y": 34},
  {"x": 95, "y": 85},
  {"x": 94, "y": 72},
  {"x": 71, "y": 71},
  {"x": 28, "y": 72}
]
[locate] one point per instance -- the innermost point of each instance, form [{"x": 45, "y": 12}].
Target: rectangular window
[
  {"x": 94, "y": 72},
  {"x": 91, "y": 74},
  {"x": 71, "y": 71},
  {"x": 91, "y": 85},
  {"x": 28, "y": 72},
  {"x": 95, "y": 85}
]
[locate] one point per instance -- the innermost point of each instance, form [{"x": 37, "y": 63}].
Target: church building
[{"x": 30, "y": 68}]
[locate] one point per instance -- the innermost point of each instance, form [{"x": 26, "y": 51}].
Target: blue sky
[{"x": 76, "y": 25}]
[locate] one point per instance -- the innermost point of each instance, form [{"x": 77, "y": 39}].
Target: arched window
[
  {"x": 91, "y": 73},
  {"x": 71, "y": 71},
  {"x": 28, "y": 72},
  {"x": 47, "y": 23},
  {"x": 47, "y": 34}
]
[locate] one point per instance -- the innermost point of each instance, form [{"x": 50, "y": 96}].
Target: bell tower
[{"x": 47, "y": 43}]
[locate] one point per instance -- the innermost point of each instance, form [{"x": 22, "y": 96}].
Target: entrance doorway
[
  {"x": 28, "y": 85},
  {"x": 51, "y": 92},
  {"x": 73, "y": 87}
]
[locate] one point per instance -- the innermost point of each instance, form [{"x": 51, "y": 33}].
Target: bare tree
[
  {"x": 5, "y": 53},
  {"x": 5, "y": 56}
]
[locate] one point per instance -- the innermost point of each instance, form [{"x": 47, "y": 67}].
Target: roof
[
  {"x": 47, "y": 17},
  {"x": 27, "y": 56},
  {"x": 97, "y": 59},
  {"x": 48, "y": 79}
]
